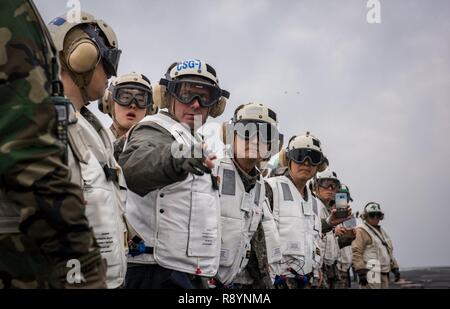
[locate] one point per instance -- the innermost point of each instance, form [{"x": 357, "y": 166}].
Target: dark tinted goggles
[
  {"x": 186, "y": 91},
  {"x": 266, "y": 132},
  {"x": 375, "y": 214},
  {"x": 124, "y": 95},
  {"x": 300, "y": 155}
]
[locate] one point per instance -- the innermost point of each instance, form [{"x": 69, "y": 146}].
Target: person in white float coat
[
  {"x": 173, "y": 200},
  {"x": 252, "y": 136},
  {"x": 89, "y": 55},
  {"x": 296, "y": 212}
]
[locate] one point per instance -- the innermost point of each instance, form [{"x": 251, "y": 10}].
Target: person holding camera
[
  {"x": 326, "y": 187},
  {"x": 372, "y": 251},
  {"x": 344, "y": 261}
]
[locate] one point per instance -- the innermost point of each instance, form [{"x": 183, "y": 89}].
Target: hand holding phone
[{"x": 341, "y": 205}]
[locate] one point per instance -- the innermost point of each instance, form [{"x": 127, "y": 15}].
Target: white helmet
[
  {"x": 187, "y": 71},
  {"x": 372, "y": 207},
  {"x": 307, "y": 141},
  {"x": 326, "y": 174}
]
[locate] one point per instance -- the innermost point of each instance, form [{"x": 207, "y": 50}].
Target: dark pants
[{"x": 157, "y": 277}]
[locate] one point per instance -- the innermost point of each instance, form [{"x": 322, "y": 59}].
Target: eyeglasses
[
  {"x": 248, "y": 129},
  {"x": 124, "y": 97},
  {"x": 301, "y": 154},
  {"x": 186, "y": 91}
]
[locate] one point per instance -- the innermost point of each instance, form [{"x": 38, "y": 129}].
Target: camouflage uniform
[{"x": 42, "y": 221}]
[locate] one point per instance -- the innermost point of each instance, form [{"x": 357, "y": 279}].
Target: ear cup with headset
[
  {"x": 82, "y": 56},
  {"x": 160, "y": 96},
  {"x": 106, "y": 103}
]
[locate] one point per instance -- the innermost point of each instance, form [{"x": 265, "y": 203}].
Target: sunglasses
[{"x": 300, "y": 155}]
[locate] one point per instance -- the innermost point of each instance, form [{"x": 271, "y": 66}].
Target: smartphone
[
  {"x": 341, "y": 200},
  {"x": 341, "y": 205}
]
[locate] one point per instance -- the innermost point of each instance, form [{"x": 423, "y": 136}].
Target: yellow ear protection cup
[
  {"x": 217, "y": 109},
  {"x": 282, "y": 158},
  {"x": 106, "y": 103},
  {"x": 184, "y": 69},
  {"x": 79, "y": 57},
  {"x": 161, "y": 99},
  {"x": 82, "y": 56}
]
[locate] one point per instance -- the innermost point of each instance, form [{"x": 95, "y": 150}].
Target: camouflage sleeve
[
  {"x": 258, "y": 265},
  {"x": 33, "y": 175},
  {"x": 147, "y": 161}
]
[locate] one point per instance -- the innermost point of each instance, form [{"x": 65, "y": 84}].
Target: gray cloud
[{"x": 377, "y": 95}]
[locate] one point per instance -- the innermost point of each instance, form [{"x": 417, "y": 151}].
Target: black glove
[
  {"x": 188, "y": 160},
  {"x": 362, "y": 274},
  {"x": 396, "y": 273}
]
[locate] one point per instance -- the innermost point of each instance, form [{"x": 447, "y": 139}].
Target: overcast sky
[{"x": 377, "y": 95}]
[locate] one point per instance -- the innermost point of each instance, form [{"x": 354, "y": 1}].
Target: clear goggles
[{"x": 127, "y": 94}]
